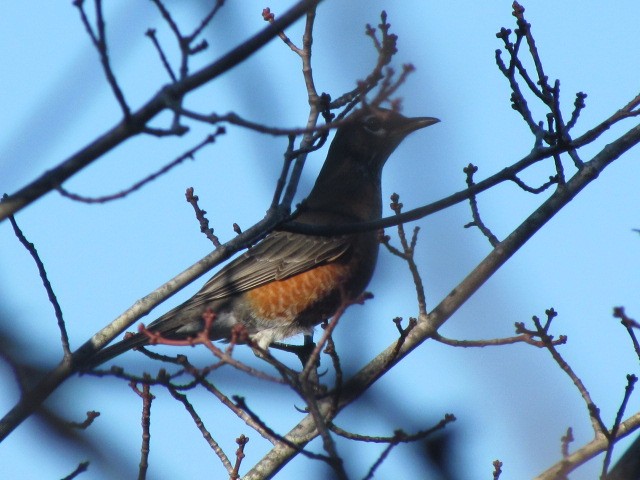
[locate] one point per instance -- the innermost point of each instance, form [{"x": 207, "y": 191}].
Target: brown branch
[
  {"x": 199, "y": 378},
  {"x": 145, "y": 448},
  {"x": 630, "y": 110},
  {"x": 335, "y": 360},
  {"x": 206, "y": 20},
  {"x": 242, "y": 442},
  {"x": 497, "y": 469},
  {"x": 235, "y": 119},
  {"x": 91, "y": 416},
  {"x": 404, "y": 332},
  {"x": 536, "y": 190},
  {"x": 566, "y": 441},
  {"x": 321, "y": 419},
  {"x": 200, "y": 215},
  {"x": 268, "y": 16}
]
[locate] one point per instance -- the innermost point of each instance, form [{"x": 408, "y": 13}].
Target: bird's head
[
  {"x": 352, "y": 171},
  {"x": 371, "y": 134}
]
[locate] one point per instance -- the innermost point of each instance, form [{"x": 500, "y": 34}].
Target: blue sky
[{"x": 512, "y": 403}]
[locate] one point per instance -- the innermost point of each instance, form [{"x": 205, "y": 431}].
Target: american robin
[{"x": 290, "y": 282}]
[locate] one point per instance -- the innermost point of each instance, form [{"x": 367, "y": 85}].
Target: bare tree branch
[{"x": 138, "y": 120}]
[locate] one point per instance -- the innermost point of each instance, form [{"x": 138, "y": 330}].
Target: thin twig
[
  {"x": 566, "y": 440},
  {"x": 630, "y": 325},
  {"x": 381, "y": 458},
  {"x": 64, "y": 337},
  {"x": 469, "y": 170},
  {"x": 631, "y": 381},
  {"x": 91, "y": 416},
  {"x": 202, "y": 219},
  {"x": 497, "y": 469},
  {"x": 241, "y": 403},
  {"x": 189, "y": 155},
  {"x": 527, "y": 337},
  {"x": 99, "y": 40},
  {"x": 407, "y": 254},
  {"x": 242, "y": 442},
  {"x": 594, "y": 412},
  {"x": 201, "y": 426},
  {"x": 202, "y": 337},
  {"x": 399, "y": 436},
  {"x": 145, "y": 447},
  {"x": 81, "y": 468},
  {"x": 151, "y": 33}
]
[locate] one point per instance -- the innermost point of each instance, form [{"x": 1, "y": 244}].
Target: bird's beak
[
  {"x": 416, "y": 123},
  {"x": 403, "y": 126}
]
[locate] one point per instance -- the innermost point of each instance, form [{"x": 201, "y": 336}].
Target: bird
[{"x": 289, "y": 282}]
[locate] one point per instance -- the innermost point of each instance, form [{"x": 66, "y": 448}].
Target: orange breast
[{"x": 285, "y": 299}]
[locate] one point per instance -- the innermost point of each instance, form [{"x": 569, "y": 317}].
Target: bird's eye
[{"x": 373, "y": 125}]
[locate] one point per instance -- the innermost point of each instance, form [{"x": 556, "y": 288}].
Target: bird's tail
[
  {"x": 181, "y": 322},
  {"x": 106, "y": 354}
]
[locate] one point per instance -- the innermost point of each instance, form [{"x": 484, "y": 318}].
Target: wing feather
[{"x": 280, "y": 255}]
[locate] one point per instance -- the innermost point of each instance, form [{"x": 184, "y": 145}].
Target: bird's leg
[{"x": 303, "y": 352}]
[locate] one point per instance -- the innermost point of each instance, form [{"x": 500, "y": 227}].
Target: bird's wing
[{"x": 280, "y": 255}]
